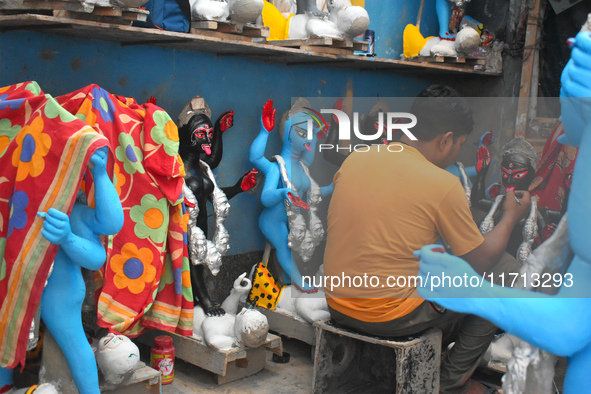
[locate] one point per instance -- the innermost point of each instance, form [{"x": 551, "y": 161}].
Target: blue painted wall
[
  {"x": 388, "y": 18},
  {"x": 63, "y": 64}
]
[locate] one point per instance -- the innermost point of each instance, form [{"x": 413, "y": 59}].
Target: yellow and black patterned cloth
[{"x": 265, "y": 291}]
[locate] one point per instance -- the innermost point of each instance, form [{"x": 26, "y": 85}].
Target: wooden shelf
[{"x": 224, "y": 45}]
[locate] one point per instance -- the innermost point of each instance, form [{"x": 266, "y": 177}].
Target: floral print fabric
[
  {"x": 44, "y": 152},
  {"x": 145, "y": 282}
]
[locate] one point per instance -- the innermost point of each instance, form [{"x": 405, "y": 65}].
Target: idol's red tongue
[
  {"x": 308, "y": 147},
  {"x": 207, "y": 149},
  {"x": 510, "y": 188}
]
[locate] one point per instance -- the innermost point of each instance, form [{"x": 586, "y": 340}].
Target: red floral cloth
[
  {"x": 44, "y": 152},
  {"x": 554, "y": 171},
  {"x": 146, "y": 281}
]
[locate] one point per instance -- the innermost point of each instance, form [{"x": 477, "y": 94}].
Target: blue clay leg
[
  {"x": 443, "y": 8},
  {"x": 577, "y": 379},
  {"x": 276, "y": 233},
  {"x": 79, "y": 246},
  {"x": 5, "y": 377},
  {"x": 60, "y": 310}
]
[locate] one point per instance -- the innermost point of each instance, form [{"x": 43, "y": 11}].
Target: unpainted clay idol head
[
  {"x": 196, "y": 106},
  {"x": 251, "y": 328},
  {"x": 117, "y": 357}
]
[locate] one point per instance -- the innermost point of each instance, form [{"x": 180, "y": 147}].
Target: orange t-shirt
[{"x": 385, "y": 206}]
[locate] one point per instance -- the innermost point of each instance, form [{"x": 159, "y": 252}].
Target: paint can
[
  {"x": 370, "y": 36},
  {"x": 163, "y": 358}
]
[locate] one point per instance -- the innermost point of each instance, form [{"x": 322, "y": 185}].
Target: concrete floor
[{"x": 292, "y": 377}]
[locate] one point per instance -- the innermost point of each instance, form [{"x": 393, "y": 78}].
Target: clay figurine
[
  {"x": 343, "y": 20},
  {"x": 117, "y": 357},
  {"x": 287, "y": 183},
  {"x": 248, "y": 328},
  {"x": 518, "y": 164},
  {"x": 237, "y": 11},
  {"x": 201, "y": 148}
]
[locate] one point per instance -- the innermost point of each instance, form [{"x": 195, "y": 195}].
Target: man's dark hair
[{"x": 440, "y": 109}]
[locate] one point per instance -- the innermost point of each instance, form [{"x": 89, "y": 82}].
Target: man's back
[{"x": 385, "y": 206}]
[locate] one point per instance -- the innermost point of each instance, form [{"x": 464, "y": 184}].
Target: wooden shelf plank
[{"x": 225, "y": 45}]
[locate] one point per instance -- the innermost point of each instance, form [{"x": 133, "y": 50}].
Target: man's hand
[
  {"x": 268, "y": 118},
  {"x": 56, "y": 226},
  {"x": 516, "y": 205}
]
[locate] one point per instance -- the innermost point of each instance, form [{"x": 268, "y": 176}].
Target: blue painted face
[{"x": 296, "y": 134}]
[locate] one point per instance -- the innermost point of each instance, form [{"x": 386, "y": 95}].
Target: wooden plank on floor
[
  {"x": 209, "y": 25},
  {"x": 217, "y": 361},
  {"x": 57, "y": 5},
  {"x": 225, "y": 36},
  {"x": 253, "y": 363},
  {"x": 135, "y": 15},
  {"x": 342, "y": 43},
  {"x": 92, "y": 17},
  {"x": 331, "y": 50},
  {"x": 290, "y": 326},
  {"x": 195, "y": 352},
  {"x": 144, "y": 380},
  {"x": 297, "y": 43},
  {"x": 361, "y": 45},
  {"x": 252, "y": 30},
  {"x": 225, "y": 27},
  {"x": 249, "y": 29},
  {"x": 107, "y": 11}
]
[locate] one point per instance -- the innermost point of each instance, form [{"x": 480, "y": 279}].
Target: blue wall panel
[
  {"x": 388, "y": 18},
  {"x": 63, "y": 64}
]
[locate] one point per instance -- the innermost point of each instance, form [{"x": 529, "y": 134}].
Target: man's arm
[{"x": 495, "y": 242}]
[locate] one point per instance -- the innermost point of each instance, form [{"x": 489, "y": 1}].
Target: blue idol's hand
[
  {"x": 99, "y": 159},
  {"x": 56, "y": 226},
  {"x": 447, "y": 279}
]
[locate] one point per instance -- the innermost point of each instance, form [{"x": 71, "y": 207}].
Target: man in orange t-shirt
[{"x": 388, "y": 204}]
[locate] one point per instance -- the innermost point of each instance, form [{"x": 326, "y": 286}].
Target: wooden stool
[{"x": 346, "y": 360}]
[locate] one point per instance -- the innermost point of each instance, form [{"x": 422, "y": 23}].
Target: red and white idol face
[
  {"x": 202, "y": 137},
  {"x": 516, "y": 172}
]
